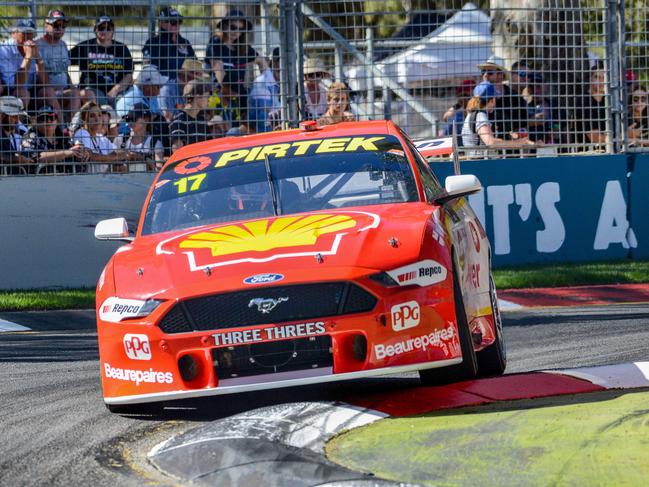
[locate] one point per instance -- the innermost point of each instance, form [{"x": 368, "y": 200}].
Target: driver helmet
[{"x": 251, "y": 197}]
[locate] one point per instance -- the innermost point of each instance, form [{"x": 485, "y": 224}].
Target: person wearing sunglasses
[
  {"x": 167, "y": 51},
  {"x": 106, "y": 65},
  {"x": 12, "y": 131},
  {"x": 638, "y": 124},
  {"x": 47, "y": 146},
  {"x": 54, "y": 52},
  {"x": 316, "y": 77},
  {"x": 231, "y": 57}
]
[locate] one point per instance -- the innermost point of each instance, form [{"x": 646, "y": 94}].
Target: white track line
[
  {"x": 620, "y": 376},
  {"x": 10, "y": 326},
  {"x": 507, "y": 305}
]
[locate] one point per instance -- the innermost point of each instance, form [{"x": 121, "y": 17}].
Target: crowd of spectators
[{"x": 119, "y": 114}]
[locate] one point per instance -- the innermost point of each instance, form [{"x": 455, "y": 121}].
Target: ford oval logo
[{"x": 263, "y": 278}]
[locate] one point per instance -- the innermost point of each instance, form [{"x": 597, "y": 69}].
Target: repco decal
[
  {"x": 422, "y": 273},
  {"x": 193, "y": 165}
]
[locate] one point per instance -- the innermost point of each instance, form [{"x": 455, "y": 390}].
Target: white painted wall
[{"x": 47, "y": 226}]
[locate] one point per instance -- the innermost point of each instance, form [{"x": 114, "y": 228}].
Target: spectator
[
  {"x": 190, "y": 119},
  {"x": 54, "y": 53},
  {"x": 106, "y": 65},
  {"x": 510, "y": 113},
  {"x": 477, "y": 129},
  {"x": 638, "y": 123},
  {"x": 518, "y": 77},
  {"x": 263, "y": 98},
  {"x": 145, "y": 148},
  {"x": 167, "y": 51},
  {"x": 456, "y": 113},
  {"x": 315, "y": 90},
  {"x": 12, "y": 131},
  {"x": 90, "y": 136},
  {"x": 111, "y": 125},
  {"x": 21, "y": 67},
  {"x": 49, "y": 148},
  {"x": 145, "y": 90},
  {"x": 337, "y": 105},
  {"x": 539, "y": 109},
  {"x": 590, "y": 111},
  {"x": 226, "y": 104},
  {"x": 216, "y": 127},
  {"x": 230, "y": 55}
]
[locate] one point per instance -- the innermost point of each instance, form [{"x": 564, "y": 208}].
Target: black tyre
[
  {"x": 468, "y": 369},
  {"x": 493, "y": 359},
  {"x": 149, "y": 409}
]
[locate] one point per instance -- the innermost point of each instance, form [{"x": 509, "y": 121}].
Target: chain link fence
[{"x": 137, "y": 79}]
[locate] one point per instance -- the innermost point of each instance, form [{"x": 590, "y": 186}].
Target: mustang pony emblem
[{"x": 265, "y": 305}]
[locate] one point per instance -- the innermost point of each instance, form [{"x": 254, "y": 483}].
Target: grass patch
[
  {"x": 621, "y": 272},
  {"x": 557, "y": 275},
  {"x": 47, "y": 299}
]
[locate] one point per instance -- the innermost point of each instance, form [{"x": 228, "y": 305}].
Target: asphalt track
[{"x": 56, "y": 431}]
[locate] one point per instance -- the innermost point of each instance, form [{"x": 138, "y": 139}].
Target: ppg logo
[
  {"x": 137, "y": 347},
  {"x": 405, "y": 315}
]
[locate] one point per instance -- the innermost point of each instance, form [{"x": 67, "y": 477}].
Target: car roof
[{"x": 343, "y": 129}]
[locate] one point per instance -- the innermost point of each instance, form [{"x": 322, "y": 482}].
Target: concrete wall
[{"x": 47, "y": 226}]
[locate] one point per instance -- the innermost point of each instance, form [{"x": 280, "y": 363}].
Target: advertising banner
[{"x": 541, "y": 210}]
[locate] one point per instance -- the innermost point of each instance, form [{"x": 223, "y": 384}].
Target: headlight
[
  {"x": 115, "y": 309},
  {"x": 422, "y": 273}
]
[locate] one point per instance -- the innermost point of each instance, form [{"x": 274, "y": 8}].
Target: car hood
[{"x": 323, "y": 245}]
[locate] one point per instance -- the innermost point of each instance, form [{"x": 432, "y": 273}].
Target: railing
[{"x": 418, "y": 68}]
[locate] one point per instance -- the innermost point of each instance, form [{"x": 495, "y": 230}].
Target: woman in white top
[
  {"x": 91, "y": 137},
  {"x": 476, "y": 130},
  {"x": 141, "y": 144}
]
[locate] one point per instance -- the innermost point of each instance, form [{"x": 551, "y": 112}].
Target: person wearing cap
[
  {"x": 230, "y": 55},
  {"x": 106, "y": 65},
  {"x": 315, "y": 89},
  {"x": 48, "y": 147},
  {"x": 191, "y": 119},
  {"x": 216, "y": 127},
  {"x": 455, "y": 114},
  {"x": 477, "y": 128},
  {"x": 12, "y": 131},
  {"x": 167, "y": 51},
  {"x": 21, "y": 68},
  {"x": 510, "y": 114},
  {"x": 54, "y": 52},
  {"x": 142, "y": 147},
  {"x": 539, "y": 109},
  {"x": 145, "y": 90}
]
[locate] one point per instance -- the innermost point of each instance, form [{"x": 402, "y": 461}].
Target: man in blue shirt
[
  {"x": 145, "y": 90},
  {"x": 21, "y": 67},
  {"x": 167, "y": 51}
]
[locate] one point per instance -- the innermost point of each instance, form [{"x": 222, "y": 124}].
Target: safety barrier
[{"x": 535, "y": 210}]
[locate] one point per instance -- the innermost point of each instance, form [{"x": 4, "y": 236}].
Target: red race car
[{"x": 296, "y": 257}]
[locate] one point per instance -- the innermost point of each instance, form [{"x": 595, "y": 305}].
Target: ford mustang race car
[{"x": 296, "y": 257}]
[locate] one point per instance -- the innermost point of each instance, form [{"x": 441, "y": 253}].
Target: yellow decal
[
  {"x": 196, "y": 181},
  {"x": 263, "y": 235},
  {"x": 300, "y": 148}
]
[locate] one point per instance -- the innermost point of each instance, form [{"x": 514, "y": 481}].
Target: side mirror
[
  {"x": 459, "y": 186},
  {"x": 113, "y": 229}
]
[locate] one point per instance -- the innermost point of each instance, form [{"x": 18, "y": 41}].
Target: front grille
[
  {"x": 273, "y": 357},
  {"x": 245, "y": 308}
]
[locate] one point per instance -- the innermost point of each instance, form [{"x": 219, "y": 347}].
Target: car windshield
[{"x": 275, "y": 179}]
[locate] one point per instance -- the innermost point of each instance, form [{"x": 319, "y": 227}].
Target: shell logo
[{"x": 264, "y": 235}]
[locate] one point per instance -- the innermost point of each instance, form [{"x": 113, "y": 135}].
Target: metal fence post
[
  {"x": 624, "y": 115},
  {"x": 288, "y": 52},
  {"x": 613, "y": 126},
  {"x": 369, "y": 37}
]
